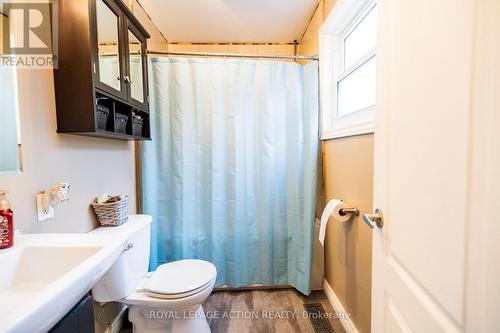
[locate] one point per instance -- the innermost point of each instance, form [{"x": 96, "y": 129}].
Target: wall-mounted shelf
[{"x": 102, "y": 71}]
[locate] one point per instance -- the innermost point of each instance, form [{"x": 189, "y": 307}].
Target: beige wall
[
  {"x": 347, "y": 175},
  {"x": 256, "y": 49},
  {"x": 309, "y": 45},
  {"x": 92, "y": 165}
]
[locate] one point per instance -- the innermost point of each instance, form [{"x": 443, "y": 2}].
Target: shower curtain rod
[{"x": 234, "y": 55}]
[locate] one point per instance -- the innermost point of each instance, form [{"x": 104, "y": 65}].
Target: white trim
[
  {"x": 360, "y": 17},
  {"x": 360, "y": 62},
  {"x": 362, "y": 129},
  {"x": 339, "y": 309}
]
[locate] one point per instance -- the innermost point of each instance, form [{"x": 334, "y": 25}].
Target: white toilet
[{"x": 166, "y": 300}]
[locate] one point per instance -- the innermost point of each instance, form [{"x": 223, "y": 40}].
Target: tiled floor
[{"x": 264, "y": 311}]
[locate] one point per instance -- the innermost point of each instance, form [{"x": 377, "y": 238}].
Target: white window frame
[{"x": 344, "y": 18}]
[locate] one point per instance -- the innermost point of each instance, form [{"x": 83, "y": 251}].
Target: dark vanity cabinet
[
  {"x": 101, "y": 81},
  {"x": 79, "y": 320}
]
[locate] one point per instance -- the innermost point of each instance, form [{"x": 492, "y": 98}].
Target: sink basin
[
  {"x": 26, "y": 271},
  {"x": 44, "y": 275}
]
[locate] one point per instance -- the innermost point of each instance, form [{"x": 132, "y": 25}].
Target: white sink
[
  {"x": 28, "y": 270},
  {"x": 44, "y": 275}
]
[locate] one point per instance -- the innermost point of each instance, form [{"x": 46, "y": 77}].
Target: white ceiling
[{"x": 231, "y": 20}]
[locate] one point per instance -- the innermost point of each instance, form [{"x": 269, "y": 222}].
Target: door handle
[
  {"x": 127, "y": 79},
  {"x": 376, "y": 219}
]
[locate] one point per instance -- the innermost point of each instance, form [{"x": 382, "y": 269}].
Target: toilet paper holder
[{"x": 349, "y": 210}]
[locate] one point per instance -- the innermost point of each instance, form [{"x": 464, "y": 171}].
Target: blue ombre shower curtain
[{"x": 230, "y": 175}]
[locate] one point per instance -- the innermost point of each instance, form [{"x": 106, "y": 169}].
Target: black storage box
[
  {"x": 137, "y": 126},
  {"x": 102, "y": 117},
  {"x": 121, "y": 121}
]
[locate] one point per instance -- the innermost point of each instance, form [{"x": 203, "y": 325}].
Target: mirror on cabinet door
[
  {"x": 136, "y": 67},
  {"x": 10, "y": 132},
  {"x": 108, "y": 22}
]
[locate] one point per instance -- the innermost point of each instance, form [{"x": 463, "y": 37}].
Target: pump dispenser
[{"x": 6, "y": 222}]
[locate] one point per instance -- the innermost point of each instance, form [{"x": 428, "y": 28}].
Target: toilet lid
[
  {"x": 182, "y": 295},
  {"x": 180, "y": 277}
]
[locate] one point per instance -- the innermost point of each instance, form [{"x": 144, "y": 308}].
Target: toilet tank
[{"x": 128, "y": 270}]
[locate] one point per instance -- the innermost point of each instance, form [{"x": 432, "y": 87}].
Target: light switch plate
[{"x": 43, "y": 215}]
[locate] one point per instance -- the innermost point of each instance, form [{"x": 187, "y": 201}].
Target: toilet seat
[
  {"x": 181, "y": 295},
  {"x": 180, "y": 279}
]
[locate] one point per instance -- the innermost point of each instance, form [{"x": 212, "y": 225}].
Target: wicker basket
[{"x": 112, "y": 214}]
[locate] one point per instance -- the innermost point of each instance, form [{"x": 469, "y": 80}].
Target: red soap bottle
[{"x": 6, "y": 222}]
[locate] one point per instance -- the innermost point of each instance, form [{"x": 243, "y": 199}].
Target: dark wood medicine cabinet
[{"x": 101, "y": 82}]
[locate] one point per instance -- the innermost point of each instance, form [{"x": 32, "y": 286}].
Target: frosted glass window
[
  {"x": 361, "y": 39},
  {"x": 349, "y": 76},
  {"x": 356, "y": 91}
]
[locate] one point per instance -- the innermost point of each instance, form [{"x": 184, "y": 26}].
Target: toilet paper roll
[{"x": 332, "y": 209}]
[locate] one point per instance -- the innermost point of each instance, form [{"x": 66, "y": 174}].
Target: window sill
[{"x": 347, "y": 132}]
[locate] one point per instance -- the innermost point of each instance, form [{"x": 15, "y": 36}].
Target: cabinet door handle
[
  {"x": 127, "y": 79},
  {"x": 376, "y": 219}
]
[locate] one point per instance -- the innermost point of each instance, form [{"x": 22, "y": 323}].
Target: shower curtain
[{"x": 230, "y": 175}]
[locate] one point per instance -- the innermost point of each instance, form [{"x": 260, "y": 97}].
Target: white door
[{"x": 437, "y": 166}]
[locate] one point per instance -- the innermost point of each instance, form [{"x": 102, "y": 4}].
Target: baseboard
[{"x": 339, "y": 308}]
